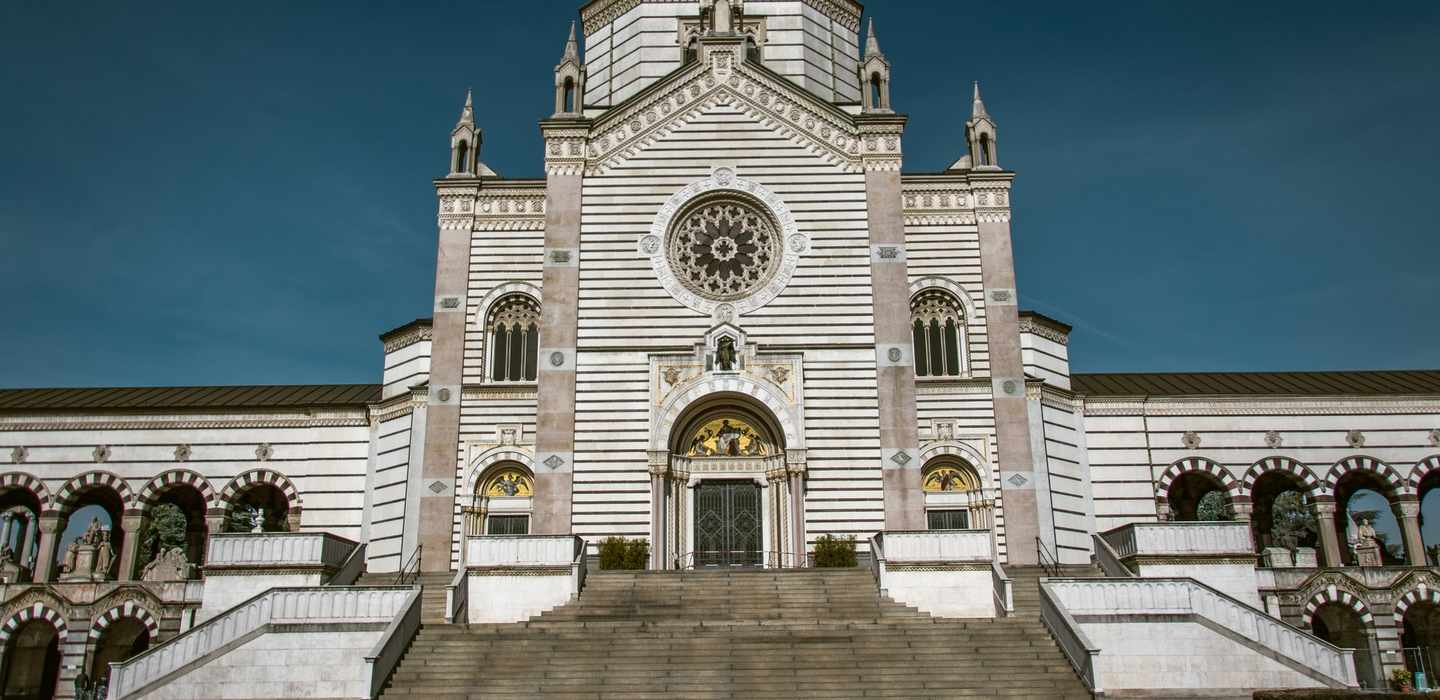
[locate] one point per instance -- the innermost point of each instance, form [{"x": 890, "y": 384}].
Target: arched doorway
[
  {"x": 727, "y": 496},
  {"x": 122, "y": 639},
  {"x": 1282, "y": 512},
  {"x": 1420, "y": 638},
  {"x": 32, "y": 662},
  {"x": 955, "y": 495},
  {"x": 1344, "y": 627}
]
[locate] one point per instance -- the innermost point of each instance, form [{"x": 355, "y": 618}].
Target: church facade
[{"x": 728, "y": 322}]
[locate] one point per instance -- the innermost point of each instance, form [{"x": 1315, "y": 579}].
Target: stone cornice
[
  {"x": 1251, "y": 406},
  {"x": 407, "y": 335},
  {"x": 971, "y": 386},
  {"x": 209, "y": 420}
]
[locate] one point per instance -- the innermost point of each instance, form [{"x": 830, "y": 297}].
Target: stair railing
[
  {"x": 457, "y": 596},
  {"x": 1048, "y": 562},
  {"x": 385, "y": 655},
  {"x": 411, "y": 570},
  {"x": 1004, "y": 591},
  {"x": 1108, "y": 560},
  {"x": 350, "y": 571},
  {"x": 1082, "y": 653}
]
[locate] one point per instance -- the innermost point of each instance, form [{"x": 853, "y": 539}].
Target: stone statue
[
  {"x": 89, "y": 557},
  {"x": 104, "y": 555},
  {"x": 1367, "y": 545},
  {"x": 169, "y": 565},
  {"x": 725, "y": 355},
  {"x": 257, "y": 524}
]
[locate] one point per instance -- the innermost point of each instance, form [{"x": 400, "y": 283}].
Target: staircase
[
  {"x": 1025, "y": 586},
  {"x": 432, "y": 591},
  {"x": 736, "y": 634}
]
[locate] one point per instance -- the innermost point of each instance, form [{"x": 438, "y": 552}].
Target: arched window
[
  {"x": 985, "y": 155},
  {"x": 462, "y": 157},
  {"x": 502, "y": 501},
  {"x": 691, "y": 51},
  {"x": 955, "y": 499},
  {"x": 570, "y": 100},
  {"x": 513, "y": 330},
  {"x": 938, "y": 332},
  {"x": 752, "y": 50},
  {"x": 875, "y": 92}
]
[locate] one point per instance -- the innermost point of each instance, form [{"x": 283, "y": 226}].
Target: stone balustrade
[
  {"x": 947, "y": 573},
  {"x": 277, "y": 606},
  {"x": 1112, "y": 600},
  {"x": 936, "y": 545},
  {"x": 1173, "y": 539},
  {"x": 509, "y": 578},
  {"x": 277, "y": 549}
]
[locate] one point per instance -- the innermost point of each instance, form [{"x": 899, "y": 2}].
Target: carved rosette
[{"x": 724, "y": 185}]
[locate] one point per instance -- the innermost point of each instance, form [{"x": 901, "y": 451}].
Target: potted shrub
[{"x": 1402, "y": 680}]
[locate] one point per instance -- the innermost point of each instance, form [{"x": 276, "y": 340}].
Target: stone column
[
  {"x": 991, "y": 191},
  {"x": 659, "y": 464},
  {"x": 559, "y": 309},
  {"x": 130, "y": 526},
  {"x": 27, "y": 546},
  {"x": 894, "y": 351},
  {"x": 438, "y": 465},
  {"x": 1408, "y": 512},
  {"x": 1329, "y": 543},
  {"x": 51, "y": 527},
  {"x": 795, "y": 469}
]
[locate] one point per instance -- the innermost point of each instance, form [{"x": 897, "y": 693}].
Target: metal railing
[
  {"x": 411, "y": 570},
  {"x": 1048, "y": 562}
]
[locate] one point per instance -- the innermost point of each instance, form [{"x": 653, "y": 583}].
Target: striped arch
[
  {"x": 177, "y": 477},
  {"x": 1340, "y": 596},
  {"x": 259, "y": 476},
  {"x": 21, "y": 480},
  {"x": 38, "y": 611},
  {"x": 492, "y": 456},
  {"x": 1419, "y": 594},
  {"x": 1280, "y": 464},
  {"x": 1387, "y": 473},
  {"x": 1195, "y": 464},
  {"x": 1422, "y": 469},
  {"x": 65, "y": 499},
  {"x": 129, "y": 609}
]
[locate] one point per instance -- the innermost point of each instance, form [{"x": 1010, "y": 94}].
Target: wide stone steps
[
  {"x": 742, "y": 634},
  {"x": 432, "y": 591}
]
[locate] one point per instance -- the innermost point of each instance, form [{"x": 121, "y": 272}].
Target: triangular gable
[{"x": 654, "y": 113}]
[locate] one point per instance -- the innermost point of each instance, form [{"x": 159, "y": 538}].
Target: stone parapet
[
  {"x": 947, "y": 573},
  {"x": 276, "y": 550}
]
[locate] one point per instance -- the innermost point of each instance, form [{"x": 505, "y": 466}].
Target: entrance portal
[{"x": 727, "y": 524}]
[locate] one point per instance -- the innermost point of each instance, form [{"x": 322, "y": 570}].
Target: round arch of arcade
[
  {"x": 1419, "y": 594},
  {"x": 35, "y": 611},
  {"x": 66, "y": 498},
  {"x": 1423, "y": 468},
  {"x": 129, "y": 609},
  {"x": 264, "y": 477},
  {"x": 1187, "y": 468},
  {"x": 1284, "y": 465},
  {"x": 1361, "y": 463},
  {"x": 153, "y": 489},
  {"x": 1339, "y": 596},
  {"x": 27, "y": 482},
  {"x": 789, "y": 419}
]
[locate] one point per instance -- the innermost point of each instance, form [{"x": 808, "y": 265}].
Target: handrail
[
  {"x": 1048, "y": 562},
  {"x": 385, "y": 655},
  {"x": 276, "y": 605},
  {"x": 1004, "y": 591},
  {"x": 1149, "y": 596},
  {"x": 457, "y": 595},
  {"x": 1078, "y": 649},
  {"x": 411, "y": 570},
  {"x": 1108, "y": 560},
  {"x": 350, "y": 571},
  {"x": 877, "y": 559}
]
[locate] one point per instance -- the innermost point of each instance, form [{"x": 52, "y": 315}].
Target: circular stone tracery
[{"x": 724, "y": 249}]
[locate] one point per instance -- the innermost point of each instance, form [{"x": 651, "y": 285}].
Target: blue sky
[{"x": 212, "y": 194}]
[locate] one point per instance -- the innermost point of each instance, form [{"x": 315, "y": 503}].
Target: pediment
[{"x": 770, "y": 99}]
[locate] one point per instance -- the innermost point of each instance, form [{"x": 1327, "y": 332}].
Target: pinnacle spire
[
  {"x": 977, "y": 109},
  {"x": 872, "y": 44},
  {"x": 467, "y": 115},
  {"x": 572, "y": 48}
]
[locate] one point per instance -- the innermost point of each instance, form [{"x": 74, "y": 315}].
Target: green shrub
[
  {"x": 835, "y": 552},
  {"x": 620, "y": 553},
  {"x": 165, "y": 529}
]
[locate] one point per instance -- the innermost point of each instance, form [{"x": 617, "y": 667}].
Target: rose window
[{"x": 724, "y": 249}]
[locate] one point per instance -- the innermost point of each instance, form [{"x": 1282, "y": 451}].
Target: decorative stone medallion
[
  {"x": 1355, "y": 439},
  {"x": 1190, "y": 439},
  {"x": 724, "y": 241},
  {"x": 1017, "y": 480},
  {"x": 182, "y": 453},
  {"x": 554, "y": 461},
  {"x": 1273, "y": 439},
  {"x": 18, "y": 455}
]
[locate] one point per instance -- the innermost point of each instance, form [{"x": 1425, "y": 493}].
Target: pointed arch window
[
  {"x": 986, "y": 157},
  {"x": 513, "y": 332},
  {"x": 938, "y": 333},
  {"x": 462, "y": 157}
]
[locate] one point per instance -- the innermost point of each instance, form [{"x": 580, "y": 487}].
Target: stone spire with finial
[
  {"x": 467, "y": 114},
  {"x": 872, "y": 44},
  {"x": 977, "y": 109}
]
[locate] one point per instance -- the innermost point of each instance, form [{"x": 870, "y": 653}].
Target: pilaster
[
  {"x": 447, "y": 349},
  {"x": 894, "y": 351},
  {"x": 51, "y": 525},
  {"x": 1007, "y": 373},
  {"x": 559, "y": 303},
  {"x": 1329, "y": 541},
  {"x": 131, "y": 523}
]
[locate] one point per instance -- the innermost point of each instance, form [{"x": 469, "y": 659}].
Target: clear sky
[{"x": 206, "y": 193}]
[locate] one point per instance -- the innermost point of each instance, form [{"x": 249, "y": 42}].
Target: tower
[
  {"x": 465, "y": 142},
  {"x": 570, "y": 80},
  {"x": 980, "y": 133},
  {"x": 874, "y": 76}
]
